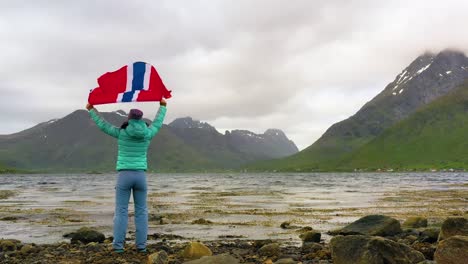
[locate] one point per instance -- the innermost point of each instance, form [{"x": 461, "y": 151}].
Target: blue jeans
[{"x": 128, "y": 180}]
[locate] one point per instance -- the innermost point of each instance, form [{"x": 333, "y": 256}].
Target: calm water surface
[{"x": 248, "y": 205}]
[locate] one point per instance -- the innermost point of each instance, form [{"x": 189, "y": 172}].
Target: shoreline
[
  {"x": 413, "y": 241},
  {"x": 240, "y": 171}
]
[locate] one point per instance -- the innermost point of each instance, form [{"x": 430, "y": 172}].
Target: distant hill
[
  {"x": 427, "y": 78},
  {"x": 435, "y": 137},
  {"x": 74, "y": 143},
  {"x": 4, "y": 169}
]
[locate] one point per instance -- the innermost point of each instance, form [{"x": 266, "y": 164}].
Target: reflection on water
[{"x": 250, "y": 205}]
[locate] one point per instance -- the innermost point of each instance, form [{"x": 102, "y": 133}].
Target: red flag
[{"x": 137, "y": 82}]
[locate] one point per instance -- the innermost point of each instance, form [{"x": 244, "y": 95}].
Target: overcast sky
[{"x": 295, "y": 65}]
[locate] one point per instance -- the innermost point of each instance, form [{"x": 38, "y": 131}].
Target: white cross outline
[{"x": 128, "y": 87}]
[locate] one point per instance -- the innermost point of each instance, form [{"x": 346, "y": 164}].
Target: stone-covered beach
[
  {"x": 371, "y": 239},
  {"x": 241, "y": 218}
]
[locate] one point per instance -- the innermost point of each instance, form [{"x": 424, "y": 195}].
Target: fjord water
[{"x": 240, "y": 205}]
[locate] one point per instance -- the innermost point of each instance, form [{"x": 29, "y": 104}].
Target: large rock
[
  {"x": 371, "y": 250},
  {"x": 196, "y": 250},
  {"x": 415, "y": 222},
  {"x": 86, "y": 235},
  {"x": 453, "y": 250},
  {"x": 202, "y": 221},
  {"x": 28, "y": 249},
  {"x": 371, "y": 225},
  {"x": 270, "y": 250},
  {"x": 218, "y": 259},
  {"x": 311, "y": 236},
  {"x": 159, "y": 257},
  {"x": 9, "y": 245},
  {"x": 453, "y": 226}
]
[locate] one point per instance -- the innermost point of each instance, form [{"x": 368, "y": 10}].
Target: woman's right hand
[
  {"x": 89, "y": 106},
  {"x": 162, "y": 102}
]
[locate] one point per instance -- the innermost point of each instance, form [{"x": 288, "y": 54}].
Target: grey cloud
[{"x": 298, "y": 65}]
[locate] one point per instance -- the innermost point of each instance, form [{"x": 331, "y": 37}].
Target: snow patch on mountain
[
  {"x": 407, "y": 76},
  {"x": 424, "y": 68},
  {"x": 189, "y": 123},
  {"x": 121, "y": 113},
  {"x": 402, "y": 75}
]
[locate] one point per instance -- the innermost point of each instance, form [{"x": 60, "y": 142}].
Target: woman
[{"x": 133, "y": 140}]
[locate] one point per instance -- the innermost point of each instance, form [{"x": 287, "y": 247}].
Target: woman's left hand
[{"x": 89, "y": 106}]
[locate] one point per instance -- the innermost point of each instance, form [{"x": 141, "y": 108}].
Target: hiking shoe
[
  {"x": 142, "y": 250},
  {"x": 119, "y": 251}
]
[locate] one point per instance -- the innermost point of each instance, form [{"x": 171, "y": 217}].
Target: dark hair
[{"x": 125, "y": 125}]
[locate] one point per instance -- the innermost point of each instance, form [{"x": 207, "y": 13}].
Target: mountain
[
  {"x": 74, "y": 143},
  {"x": 232, "y": 148},
  {"x": 434, "y": 137},
  {"x": 427, "y": 78}
]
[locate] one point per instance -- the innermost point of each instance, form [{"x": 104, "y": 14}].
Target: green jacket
[{"x": 133, "y": 141}]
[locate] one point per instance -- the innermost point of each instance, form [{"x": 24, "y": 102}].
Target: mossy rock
[
  {"x": 9, "y": 245},
  {"x": 311, "y": 236},
  {"x": 371, "y": 250},
  {"x": 28, "y": 249},
  {"x": 452, "y": 250},
  {"x": 453, "y": 226},
  {"x": 270, "y": 250},
  {"x": 371, "y": 225},
  {"x": 86, "y": 235},
  {"x": 196, "y": 250},
  {"x": 415, "y": 222},
  {"x": 202, "y": 221}
]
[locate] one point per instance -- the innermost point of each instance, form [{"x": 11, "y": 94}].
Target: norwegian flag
[{"x": 137, "y": 82}]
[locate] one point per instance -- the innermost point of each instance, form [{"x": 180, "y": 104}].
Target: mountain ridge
[
  {"x": 427, "y": 78},
  {"x": 74, "y": 142}
]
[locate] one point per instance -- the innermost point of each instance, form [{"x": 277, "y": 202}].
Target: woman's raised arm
[{"x": 101, "y": 123}]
